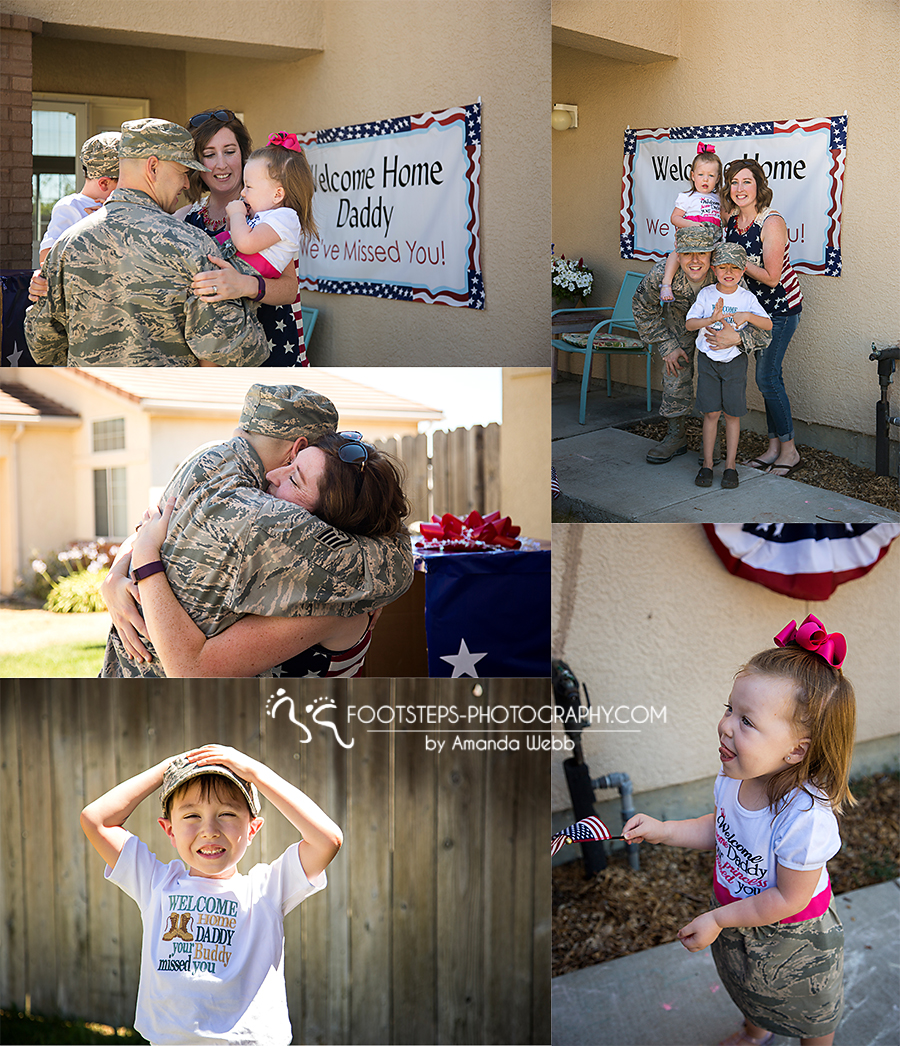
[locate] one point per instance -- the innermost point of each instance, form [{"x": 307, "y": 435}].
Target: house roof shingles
[{"x": 19, "y": 400}]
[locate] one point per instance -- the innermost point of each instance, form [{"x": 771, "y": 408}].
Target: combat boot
[{"x": 675, "y": 443}]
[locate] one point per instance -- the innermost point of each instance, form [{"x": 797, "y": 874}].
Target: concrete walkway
[
  {"x": 604, "y": 478},
  {"x": 668, "y": 996}
]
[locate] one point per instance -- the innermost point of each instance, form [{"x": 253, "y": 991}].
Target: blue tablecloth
[{"x": 488, "y": 612}]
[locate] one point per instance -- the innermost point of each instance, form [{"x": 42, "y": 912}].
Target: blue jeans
[{"x": 770, "y": 382}]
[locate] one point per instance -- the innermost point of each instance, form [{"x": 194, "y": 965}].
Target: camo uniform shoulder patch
[{"x": 335, "y": 540}]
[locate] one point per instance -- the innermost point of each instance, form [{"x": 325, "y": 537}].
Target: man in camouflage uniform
[
  {"x": 119, "y": 280},
  {"x": 232, "y": 549},
  {"x": 663, "y": 324}
]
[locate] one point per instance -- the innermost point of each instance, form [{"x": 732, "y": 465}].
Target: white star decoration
[{"x": 463, "y": 662}]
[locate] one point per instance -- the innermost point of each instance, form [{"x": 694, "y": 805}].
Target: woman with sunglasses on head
[
  {"x": 343, "y": 481},
  {"x": 762, "y": 232},
  {"x": 222, "y": 143}
]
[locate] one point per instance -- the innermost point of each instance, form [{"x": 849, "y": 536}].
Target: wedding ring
[{"x": 215, "y": 290}]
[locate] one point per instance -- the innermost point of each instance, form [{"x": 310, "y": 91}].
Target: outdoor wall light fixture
[{"x": 564, "y": 117}]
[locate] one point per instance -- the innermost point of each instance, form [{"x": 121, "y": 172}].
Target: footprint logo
[
  {"x": 279, "y": 698},
  {"x": 325, "y": 704}
]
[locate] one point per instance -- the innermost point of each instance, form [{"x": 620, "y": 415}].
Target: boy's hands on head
[{"x": 222, "y": 755}]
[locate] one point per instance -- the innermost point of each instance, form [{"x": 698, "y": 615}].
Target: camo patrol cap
[
  {"x": 162, "y": 138},
  {"x": 180, "y": 771},
  {"x": 287, "y": 412},
  {"x": 699, "y": 238},
  {"x": 100, "y": 155},
  {"x": 730, "y": 254}
]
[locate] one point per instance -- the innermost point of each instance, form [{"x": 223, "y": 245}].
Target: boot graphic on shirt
[{"x": 179, "y": 928}]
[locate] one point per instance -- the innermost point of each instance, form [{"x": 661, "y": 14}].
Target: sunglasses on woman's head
[
  {"x": 353, "y": 451},
  {"x": 220, "y": 114}
]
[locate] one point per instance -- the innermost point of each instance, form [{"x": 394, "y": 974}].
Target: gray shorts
[{"x": 722, "y": 386}]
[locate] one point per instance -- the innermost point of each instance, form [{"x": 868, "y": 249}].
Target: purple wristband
[{"x": 262, "y": 288}]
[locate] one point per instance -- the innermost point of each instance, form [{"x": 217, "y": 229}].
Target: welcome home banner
[
  {"x": 397, "y": 208},
  {"x": 804, "y": 164}
]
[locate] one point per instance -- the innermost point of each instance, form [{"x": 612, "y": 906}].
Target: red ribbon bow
[
  {"x": 701, "y": 148},
  {"x": 811, "y": 635},
  {"x": 470, "y": 534},
  {"x": 289, "y": 141}
]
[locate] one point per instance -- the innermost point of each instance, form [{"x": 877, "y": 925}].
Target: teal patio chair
[
  {"x": 599, "y": 337},
  {"x": 309, "y": 322}
]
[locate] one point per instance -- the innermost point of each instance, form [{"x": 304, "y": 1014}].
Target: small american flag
[{"x": 590, "y": 829}]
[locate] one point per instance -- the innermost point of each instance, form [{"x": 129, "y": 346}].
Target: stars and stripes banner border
[
  {"x": 801, "y": 560},
  {"x": 459, "y": 253},
  {"x": 811, "y": 204}
]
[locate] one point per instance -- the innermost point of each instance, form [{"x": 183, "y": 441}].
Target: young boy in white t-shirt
[
  {"x": 212, "y": 960},
  {"x": 100, "y": 162},
  {"x": 722, "y": 373}
]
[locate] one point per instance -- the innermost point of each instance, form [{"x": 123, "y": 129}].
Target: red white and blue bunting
[
  {"x": 801, "y": 560},
  {"x": 397, "y": 205},
  {"x": 804, "y": 163}
]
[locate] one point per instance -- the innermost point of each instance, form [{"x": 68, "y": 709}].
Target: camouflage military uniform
[
  {"x": 120, "y": 295},
  {"x": 233, "y": 550},
  {"x": 663, "y": 326}
]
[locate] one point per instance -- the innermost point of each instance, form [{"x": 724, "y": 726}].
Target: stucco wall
[
  {"x": 648, "y": 618},
  {"x": 525, "y": 449},
  {"x": 31, "y": 459},
  {"x": 845, "y": 59},
  {"x": 279, "y": 28},
  {"x": 115, "y": 70}
]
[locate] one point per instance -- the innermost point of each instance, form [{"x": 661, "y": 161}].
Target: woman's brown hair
[
  {"x": 825, "y": 712},
  {"x": 203, "y": 134},
  {"x": 290, "y": 169},
  {"x": 367, "y": 500},
  {"x": 763, "y": 192}
]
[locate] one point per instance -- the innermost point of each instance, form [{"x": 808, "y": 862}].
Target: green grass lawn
[
  {"x": 24, "y": 1029},
  {"x": 67, "y": 660}
]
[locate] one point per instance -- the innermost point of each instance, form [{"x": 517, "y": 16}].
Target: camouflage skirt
[{"x": 786, "y": 978}]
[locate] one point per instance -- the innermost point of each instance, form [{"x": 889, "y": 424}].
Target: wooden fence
[
  {"x": 462, "y": 473},
  {"x": 435, "y": 927}
]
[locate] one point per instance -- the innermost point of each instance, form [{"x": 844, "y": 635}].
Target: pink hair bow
[
  {"x": 701, "y": 148},
  {"x": 289, "y": 141},
  {"x": 811, "y": 635}
]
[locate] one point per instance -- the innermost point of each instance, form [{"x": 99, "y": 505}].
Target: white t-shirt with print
[
  {"x": 286, "y": 222},
  {"x": 699, "y": 206},
  {"x": 740, "y": 300},
  {"x": 66, "y": 212},
  {"x": 803, "y": 836},
  {"x": 212, "y": 958}
]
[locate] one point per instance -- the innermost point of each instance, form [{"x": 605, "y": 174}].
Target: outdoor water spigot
[
  {"x": 567, "y": 695},
  {"x": 887, "y": 362}
]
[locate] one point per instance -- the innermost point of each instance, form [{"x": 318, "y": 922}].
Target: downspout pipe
[{"x": 626, "y": 792}]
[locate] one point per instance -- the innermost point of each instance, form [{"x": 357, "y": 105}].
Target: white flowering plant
[
  {"x": 572, "y": 281},
  {"x": 69, "y": 581}
]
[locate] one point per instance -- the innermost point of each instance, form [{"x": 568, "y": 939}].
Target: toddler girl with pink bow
[
  {"x": 785, "y": 743},
  {"x": 275, "y": 209},
  {"x": 700, "y": 203}
]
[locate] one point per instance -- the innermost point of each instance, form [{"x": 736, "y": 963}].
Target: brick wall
[{"x": 15, "y": 140}]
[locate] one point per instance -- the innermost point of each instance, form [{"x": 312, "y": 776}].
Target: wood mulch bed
[
  {"x": 620, "y": 912},
  {"x": 820, "y": 469}
]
